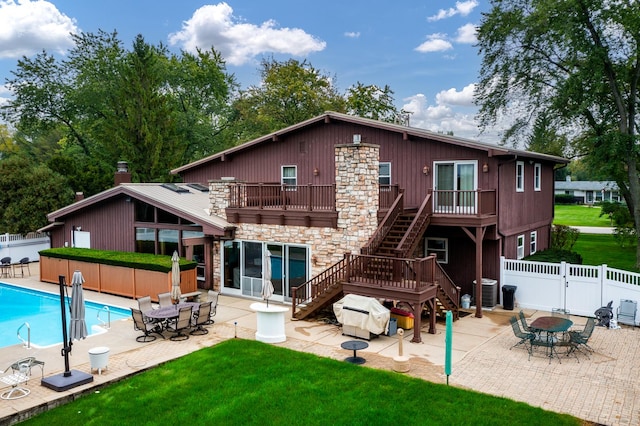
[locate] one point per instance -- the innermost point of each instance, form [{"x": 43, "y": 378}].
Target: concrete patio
[{"x": 603, "y": 389}]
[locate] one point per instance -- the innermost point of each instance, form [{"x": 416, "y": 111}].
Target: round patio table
[
  {"x": 551, "y": 325},
  {"x": 354, "y": 345}
]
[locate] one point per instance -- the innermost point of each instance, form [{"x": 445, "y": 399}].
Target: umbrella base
[{"x": 61, "y": 383}]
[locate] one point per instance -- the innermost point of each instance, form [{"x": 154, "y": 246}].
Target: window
[
  {"x": 439, "y": 247},
  {"x": 384, "y": 173},
  {"x": 289, "y": 175},
  {"x": 520, "y": 250},
  {"x": 533, "y": 243},
  {"x": 537, "y": 176},
  {"x": 520, "y": 176}
]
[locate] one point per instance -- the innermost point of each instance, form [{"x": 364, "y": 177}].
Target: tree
[
  {"x": 372, "y": 102},
  {"x": 153, "y": 109},
  {"x": 577, "y": 60},
  {"x": 27, "y": 192},
  {"x": 289, "y": 92}
]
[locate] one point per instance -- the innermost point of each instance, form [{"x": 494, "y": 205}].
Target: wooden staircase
[{"x": 397, "y": 237}]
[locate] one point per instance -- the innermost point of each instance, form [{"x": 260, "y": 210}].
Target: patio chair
[
  {"x": 21, "y": 265},
  {"x": 5, "y": 267},
  {"x": 523, "y": 322},
  {"x": 30, "y": 361},
  {"x": 146, "y": 327},
  {"x": 16, "y": 379},
  {"x": 201, "y": 318},
  {"x": 626, "y": 313},
  {"x": 213, "y": 298},
  {"x": 144, "y": 305},
  {"x": 525, "y": 337},
  {"x": 181, "y": 324},
  {"x": 579, "y": 339},
  {"x": 164, "y": 299}
]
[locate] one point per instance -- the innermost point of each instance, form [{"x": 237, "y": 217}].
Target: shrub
[
  {"x": 556, "y": 256},
  {"x": 563, "y": 237},
  {"x": 565, "y": 199}
]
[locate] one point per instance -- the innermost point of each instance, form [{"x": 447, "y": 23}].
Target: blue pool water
[{"x": 42, "y": 311}]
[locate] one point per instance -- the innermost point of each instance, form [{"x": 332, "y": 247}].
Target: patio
[{"x": 603, "y": 389}]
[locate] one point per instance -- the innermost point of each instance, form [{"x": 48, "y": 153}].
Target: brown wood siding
[
  {"x": 313, "y": 147},
  {"x": 110, "y": 224}
]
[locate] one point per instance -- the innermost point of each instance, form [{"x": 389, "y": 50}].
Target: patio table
[
  {"x": 167, "y": 313},
  {"x": 552, "y": 326},
  {"x": 354, "y": 345}
]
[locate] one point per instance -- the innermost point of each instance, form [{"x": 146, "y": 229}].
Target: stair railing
[
  {"x": 420, "y": 222},
  {"x": 26, "y": 343},
  {"x": 447, "y": 285}
]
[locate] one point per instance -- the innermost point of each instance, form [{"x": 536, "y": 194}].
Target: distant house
[
  {"x": 339, "y": 204},
  {"x": 589, "y": 192}
]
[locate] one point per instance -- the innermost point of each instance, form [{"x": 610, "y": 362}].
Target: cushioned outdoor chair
[
  {"x": 181, "y": 324},
  {"x": 626, "y": 313},
  {"x": 525, "y": 337},
  {"x": 146, "y": 327},
  {"x": 213, "y": 298},
  {"x": 165, "y": 299},
  {"x": 579, "y": 339},
  {"x": 16, "y": 379},
  {"x": 201, "y": 318}
]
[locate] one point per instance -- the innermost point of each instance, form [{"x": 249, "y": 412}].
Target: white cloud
[
  {"x": 455, "y": 97},
  {"x": 435, "y": 43},
  {"x": 27, "y": 27},
  {"x": 352, "y": 34},
  {"x": 467, "y": 34},
  {"x": 239, "y": 42},
  {"x": 462, "y": 8}
]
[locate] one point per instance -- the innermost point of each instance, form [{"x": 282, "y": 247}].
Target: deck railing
[
  {"x": 476, "y": 203},
  {"x": 283, "y": 197},
  {"x": 400, "y": 273},
  {"x": 385, "y": 225}
]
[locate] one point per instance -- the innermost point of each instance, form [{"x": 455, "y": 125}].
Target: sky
[{"x": 424, "y": 50}]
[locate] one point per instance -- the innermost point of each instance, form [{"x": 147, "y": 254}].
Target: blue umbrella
[{"x": 78, "y": 325}]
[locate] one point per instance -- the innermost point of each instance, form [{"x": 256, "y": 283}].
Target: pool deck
[{"x": 603, "y": 389}]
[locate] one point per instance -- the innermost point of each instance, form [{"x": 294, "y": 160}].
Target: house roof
[
  {"x": 188, "y": 202},
  {"x": 586, "y": 185},
  {"x": 493, "y": 150}
]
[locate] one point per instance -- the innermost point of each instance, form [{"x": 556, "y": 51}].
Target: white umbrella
[
  {"x": 78, "y": 326},
  {"x": 267, "y": 286},
  {"x": 175, "y": 277}
]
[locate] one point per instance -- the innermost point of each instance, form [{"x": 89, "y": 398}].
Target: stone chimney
[{"x": 122, "y": 174}]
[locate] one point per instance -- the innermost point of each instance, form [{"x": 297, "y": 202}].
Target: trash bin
[
  {"x": 466, "y": 301},
  {"x": 508, "y": 292}
]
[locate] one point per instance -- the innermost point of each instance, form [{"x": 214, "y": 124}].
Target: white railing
[
  {"x": 106, "y": 324},
  {"x": 579, "y": 289},
  {"x": 26, "y": 343},
  {"x": 18, "y": 246}
]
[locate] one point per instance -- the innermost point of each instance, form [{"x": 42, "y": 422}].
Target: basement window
[{"x": 439, "y": 247}]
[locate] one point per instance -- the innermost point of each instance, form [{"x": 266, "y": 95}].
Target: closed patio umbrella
[
  {"x": 175, "y": 277},
  {"x": 77, "y": 324},
  {"x": 267, "y": 285}
]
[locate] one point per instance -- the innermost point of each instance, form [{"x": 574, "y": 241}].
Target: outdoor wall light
[
  {"x": 426, "y": 170},
  {"x": 485, "y": 168},
  {"x": 316, "y": 172}
]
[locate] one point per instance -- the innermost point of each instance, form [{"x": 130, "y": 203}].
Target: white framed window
[
  {"x": 439, "y": 247},
  {"x": 537, "y": 177},
  {"x": 519, "y": 176},
  {"x": 384, "y": 173},
  {"x": 520, "y": 249},
  {"x": 533, "y": 242},
  {"x": 289, "y": 175}
]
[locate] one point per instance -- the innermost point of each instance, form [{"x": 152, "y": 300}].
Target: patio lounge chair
[
  {"x": 213, "y": 298},
  {"x": 164, "y": 299},
  {"x": 579, "y": 339},
  {"x": 627, "y": 312},
  {"x": 146, "y": 327},
  {"x": 16, "y": 379},
  {"x": 201, "y": 318},
  {"x": 181, "y": 324},
  {"x": 525, "y": 337}
]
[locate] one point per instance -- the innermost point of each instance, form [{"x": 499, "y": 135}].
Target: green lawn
[
  {"x": 599, "y": 249},
  {"x": 577, "y": 215},
  {"x": 242, "y": 382}
]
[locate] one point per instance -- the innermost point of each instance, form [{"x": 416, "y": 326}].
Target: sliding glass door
[{"x": 455, "y": 187}]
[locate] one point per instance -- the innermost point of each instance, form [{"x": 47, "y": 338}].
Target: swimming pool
[{"x": 42, "y": 311}]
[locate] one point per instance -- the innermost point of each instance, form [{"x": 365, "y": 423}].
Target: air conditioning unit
[{"x": 356, "y": 139}]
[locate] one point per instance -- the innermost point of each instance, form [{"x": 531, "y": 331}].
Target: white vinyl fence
[
  {"x": 578, "y": 289},
  {"x": 17, "y": 246}
]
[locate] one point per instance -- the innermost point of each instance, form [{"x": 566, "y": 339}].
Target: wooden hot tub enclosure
[{"x": 124, "y": 281}]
